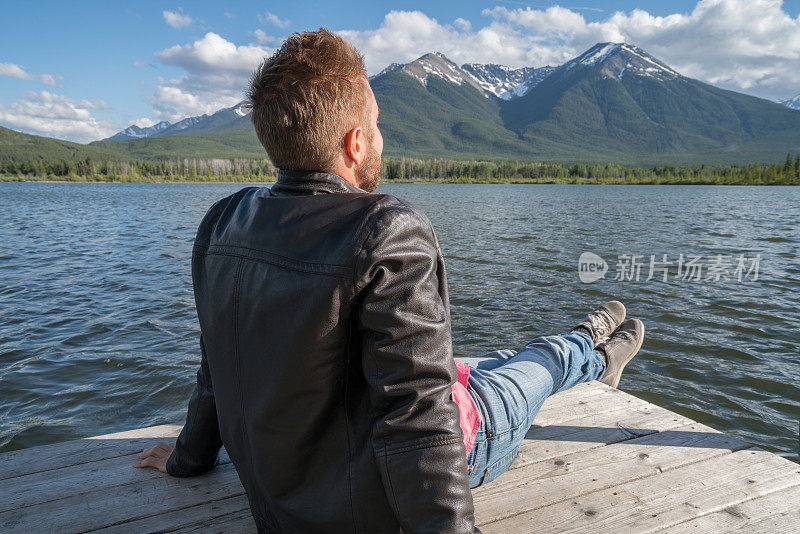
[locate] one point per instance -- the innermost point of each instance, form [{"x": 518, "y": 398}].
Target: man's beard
[{"x": 367, "y": 173}]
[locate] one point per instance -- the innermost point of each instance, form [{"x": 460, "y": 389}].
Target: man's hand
[{"x": 156, "y": 457}]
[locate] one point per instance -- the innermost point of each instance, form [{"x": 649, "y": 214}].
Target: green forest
[{"x": 403, "y": 170}]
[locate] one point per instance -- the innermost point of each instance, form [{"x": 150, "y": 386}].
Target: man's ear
[{"x": 355, "y": 145}]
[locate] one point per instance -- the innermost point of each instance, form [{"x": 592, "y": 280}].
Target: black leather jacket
[{"x": 327, "y": 363}]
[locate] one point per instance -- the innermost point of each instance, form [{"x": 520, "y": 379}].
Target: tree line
[
  {"x": 140, "y": 170},
  {"x": 407, "y": 169},
  {"x": 448, "y": 170}
]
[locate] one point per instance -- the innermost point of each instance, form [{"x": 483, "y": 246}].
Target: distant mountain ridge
[
  {"x": 492, "y": 79},
  {"x": 185, "y": 126},
  {"x": 506, "y": 82},
  {"x": 137, "y": 132},
  {"x": 614, "y": 103}
]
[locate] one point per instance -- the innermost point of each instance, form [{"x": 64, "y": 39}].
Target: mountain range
[
  {"x": 189, "y": 125},
  {"x": 793, "y": 103},
  {"x": 613, "y": 103}
]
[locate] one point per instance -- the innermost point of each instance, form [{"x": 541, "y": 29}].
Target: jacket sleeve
[
  {"x": 197, "y": 448},
  {"x": 404, "y": 323}
]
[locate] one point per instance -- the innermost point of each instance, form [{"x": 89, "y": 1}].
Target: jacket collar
[{"x": 313, "y": 182}]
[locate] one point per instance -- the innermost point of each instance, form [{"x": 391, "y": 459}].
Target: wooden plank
[
  {"x": 237, "y": 522},
  {"x": 589, "y": 398},
  {"x": 664, "y": 500},
  {"x": 58, "y": 455},
  {"x": 54, "y": 484},
  {"x": 771, "y": 514},
  {"x": 543, "y": 483},
  {"x": 204, "y": 517},
  {"x": 660, "y": 471},
  {"x": 596, "y": 430},
  {"x": 105, "y": 507}
]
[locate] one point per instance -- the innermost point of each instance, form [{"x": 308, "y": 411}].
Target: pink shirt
[{"x": 470, "y": 417}]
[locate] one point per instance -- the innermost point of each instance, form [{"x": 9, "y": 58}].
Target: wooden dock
[{"x": 597, "y": 460}]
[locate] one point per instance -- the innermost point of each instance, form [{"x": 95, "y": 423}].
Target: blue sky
[{"x": 83, "y": 70}]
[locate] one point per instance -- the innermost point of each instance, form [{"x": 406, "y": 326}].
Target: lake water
[{"x": 98, "y": 331}]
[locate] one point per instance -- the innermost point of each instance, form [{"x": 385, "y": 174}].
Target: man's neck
[{"x": 347, "y": 173}]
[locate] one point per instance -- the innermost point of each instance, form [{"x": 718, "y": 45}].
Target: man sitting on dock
[{"x": 327, "y": 369}]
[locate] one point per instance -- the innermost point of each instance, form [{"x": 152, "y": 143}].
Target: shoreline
[
  {"x": 407, "y": 170},
  {"x": 599, "y": 182}
]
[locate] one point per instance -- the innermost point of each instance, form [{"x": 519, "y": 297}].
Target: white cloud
[
  {"x": 217, "y": 73},
  {"x": 462, "y": 24},
  {"x": 16, "y": 71},
  {"x": 405, "y": 35},
  {"x": 745, "y": 45},
  {"x": 176, "y": 19},
  {"x": 57, "y": 116},
  {"x": 213, "y": 54},
  {"x": 275, "y": 20},
  {"x": 144, "y": 122},
  {"x": 262, "y": 37}
]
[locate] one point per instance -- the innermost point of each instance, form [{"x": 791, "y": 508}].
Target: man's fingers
[
  {"x": 158, "y": 451},
  {"x": 147, "y": 462},
  {"x": 152, "y": 461},
  {"x": 155, "y": 456}
]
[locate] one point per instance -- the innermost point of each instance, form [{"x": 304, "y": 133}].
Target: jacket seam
[
  {"x": 235, "y": 196},
  {"x": 368, "y": 229},
  {"x": 370, "y": 214},
  {"x": 347, "y": 428},
  {"x": 427, "y": 223},
  {"x": 263, "y": 518},
  {"x": 236, "y": 290},
  {"x": 181, "y": 460},
  {"x": 275, "y": 263},
  {"x": 428, "y": 445},
  {"x": 366, "y": 240},
  {"x": 209, "y": 245},
  {"x": 389, "y": 478}
]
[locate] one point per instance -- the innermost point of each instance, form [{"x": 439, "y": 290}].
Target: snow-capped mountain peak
[
  {"x": 189, "y": 124},
  {"x": 596, "y": 54},
  {"x": 492, "y": 80},
  {"x": 137, "y": 132},
  {"x": 793, "y": 103},
  {"x": 436, "y": 64},
  {"x": 619, "y": 59},
  {"x": 241, "y": 109},
  {"x": 506, "y": 82}
]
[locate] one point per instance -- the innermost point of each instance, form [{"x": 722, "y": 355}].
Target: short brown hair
[{"x": 306, "y": 97}]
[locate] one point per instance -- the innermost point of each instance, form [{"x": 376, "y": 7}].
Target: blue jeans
[{"x": 510, "y": 387}]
